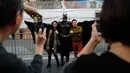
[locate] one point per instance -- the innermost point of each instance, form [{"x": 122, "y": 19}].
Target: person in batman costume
[{"x": 65, "y": 39}]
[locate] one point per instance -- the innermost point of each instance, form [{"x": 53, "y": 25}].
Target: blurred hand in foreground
[
  {"x": 94, "y": 34},
  {"x": 40, "y": 41}
]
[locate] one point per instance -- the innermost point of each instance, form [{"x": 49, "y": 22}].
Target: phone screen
[{"x": 98, "y": 27}]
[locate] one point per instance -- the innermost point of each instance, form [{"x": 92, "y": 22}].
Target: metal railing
[
  {"x": 101, "y": 47},
  {"x": 22, "y": 44}
]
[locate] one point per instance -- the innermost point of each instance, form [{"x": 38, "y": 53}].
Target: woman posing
[{"x": 52, "y": 44}]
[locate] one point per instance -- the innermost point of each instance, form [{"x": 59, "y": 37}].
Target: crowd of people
[{"x": 114, "y": 26}]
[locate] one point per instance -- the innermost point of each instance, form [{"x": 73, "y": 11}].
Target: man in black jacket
[{"x": 11, "y": 15}]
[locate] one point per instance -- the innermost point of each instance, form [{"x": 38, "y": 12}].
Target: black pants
[
  {"x": 64, "y": 54},
  {"x": 49, "y": 57},
  {"x": 65, "y": 48}
]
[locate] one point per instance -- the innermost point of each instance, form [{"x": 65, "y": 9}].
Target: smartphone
[{"x": 98, "y": 27}]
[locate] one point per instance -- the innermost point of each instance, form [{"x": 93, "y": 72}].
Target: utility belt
[{"x": 65, "y": 36}]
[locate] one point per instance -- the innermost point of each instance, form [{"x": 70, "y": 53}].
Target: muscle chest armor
[{"x": 65, "y": 28}]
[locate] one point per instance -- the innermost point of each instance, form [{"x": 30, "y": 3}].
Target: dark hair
[
  {"x": 52, "y": 24},
  {"x": 8, "y": 10},
  {"x": 74, "y": 20},
  {"x": 54, "y": 21},
  {"x": 115, "y": 21}
]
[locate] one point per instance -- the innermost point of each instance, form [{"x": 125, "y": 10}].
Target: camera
[
  {"x": 36, "y": 25},
  {"x": 37, "y": 22}
]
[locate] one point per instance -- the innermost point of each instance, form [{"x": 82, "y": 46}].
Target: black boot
[
  {"x": 62, "y": 60},
  {"x": 67, "y": 56},
  {"x": 49, "y": 60},
  {"x": 56, "y": 57},
  {"x": 49, "y": 65},
  {"x": 58, "y": 64}
]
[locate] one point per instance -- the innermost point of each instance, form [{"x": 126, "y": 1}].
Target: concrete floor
[{"x": 52, "y": 69}]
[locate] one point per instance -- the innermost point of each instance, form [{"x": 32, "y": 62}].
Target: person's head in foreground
[
  {"x": 115, "y": 26},
  {"x": 11, "y": 15}
]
